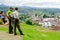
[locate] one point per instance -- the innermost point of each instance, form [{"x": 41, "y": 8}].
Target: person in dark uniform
[
  {"x": 9, "y": 17},
  {"x": 16, "y": 18}
]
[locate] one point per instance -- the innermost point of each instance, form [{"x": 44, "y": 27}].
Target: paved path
[{"x": 6, "y": 36}]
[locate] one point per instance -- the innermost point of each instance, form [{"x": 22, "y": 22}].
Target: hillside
[{"x": 33, "y": 33}]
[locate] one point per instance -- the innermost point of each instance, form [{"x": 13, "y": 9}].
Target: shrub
[
  {"x": 1, "y": 22},
  {"x": 29, "y": 22}
]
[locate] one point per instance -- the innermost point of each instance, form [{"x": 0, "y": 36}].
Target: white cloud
[{"x": 33, "y": 3}]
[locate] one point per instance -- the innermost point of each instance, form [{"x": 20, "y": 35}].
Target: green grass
[{"x": 31, "y": 33}]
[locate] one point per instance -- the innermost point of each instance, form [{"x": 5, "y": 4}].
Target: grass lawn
[{"x": 31, "y": 33}]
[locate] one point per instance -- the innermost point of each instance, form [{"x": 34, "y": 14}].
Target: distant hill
[
  {"x": 25, "y": 9},
  {"x": 3, "y": 7}
]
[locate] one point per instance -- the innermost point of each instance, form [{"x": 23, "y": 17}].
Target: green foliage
[
  {"x": 53, "y": 16},
  {"x": 1, "y": 22},
  {"x": 45, "y": 16},
  {"x": 29, "y": 22}
]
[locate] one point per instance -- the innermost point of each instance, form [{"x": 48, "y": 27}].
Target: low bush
[{"x": 29, "y": 22}]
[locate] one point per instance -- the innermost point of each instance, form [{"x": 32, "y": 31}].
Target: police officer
[
  {"x": 16, "y": 18},
  {"x": 9, "y": 17}
]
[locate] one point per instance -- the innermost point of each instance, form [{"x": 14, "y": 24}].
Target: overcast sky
[{"x": 33, "y": 3}]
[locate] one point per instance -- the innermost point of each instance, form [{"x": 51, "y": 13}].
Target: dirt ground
[{"x": 6, "y": 36}]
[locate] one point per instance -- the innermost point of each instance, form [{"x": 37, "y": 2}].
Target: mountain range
[{"x": 26, "y": 9}]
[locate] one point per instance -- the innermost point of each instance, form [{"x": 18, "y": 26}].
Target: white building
[{"x": 50, "y": 22}]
